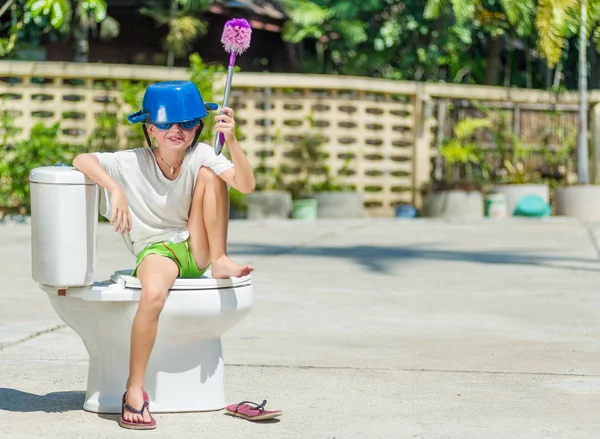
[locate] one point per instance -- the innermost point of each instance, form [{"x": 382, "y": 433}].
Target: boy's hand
[
  {"x": 120, "y": 216},
  {"x": 226, "y": 125}
]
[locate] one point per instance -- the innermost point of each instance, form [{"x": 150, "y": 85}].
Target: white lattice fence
[
  {"x": 369, "y": 135},
  {"x": 379, "y": 132}
]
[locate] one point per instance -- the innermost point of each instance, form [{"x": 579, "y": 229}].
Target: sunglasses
[{"x": 186, "y": 126}]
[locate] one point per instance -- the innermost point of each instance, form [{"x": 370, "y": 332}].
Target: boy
[{"x": 171, "y": 204}]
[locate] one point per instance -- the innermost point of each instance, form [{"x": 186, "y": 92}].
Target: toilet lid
[{"x": 205, "y": 282}]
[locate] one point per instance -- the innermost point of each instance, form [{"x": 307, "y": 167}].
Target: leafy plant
[
  {"x": 105, "y": 134},
  {"x": 269, "y": 179},
  {"x": 558, "y": 150},
  {"x": 333, "y": 184},
  {"x": 181, "y": 17},
  {"x": 307, "y": 162},
  {"x": 461, "y": 153},
  {"x": 42, "y": 148},
  {"x": 132, "y": 94},
  {"x": 520, "y": 173}
]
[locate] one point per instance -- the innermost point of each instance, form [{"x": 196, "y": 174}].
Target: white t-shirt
[{"x": 159, "y": 207}]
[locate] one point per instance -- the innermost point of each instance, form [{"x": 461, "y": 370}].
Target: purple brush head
[{"x": 236, "y": 35}]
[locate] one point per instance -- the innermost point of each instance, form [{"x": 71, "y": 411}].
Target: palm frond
[
  {"x": 553, "y": 20},
  {"x": 433, "y": 8},
  {"x": 182, "y": 33},
  {"x": 345, "y": 10},
  {"x": 293, "y": 33},
  {"x": 305, "y": 12},
  {"x": 520, "y": 14},
  {"x": 353, "y": 31},
  {"x": 464, "y": 10}
]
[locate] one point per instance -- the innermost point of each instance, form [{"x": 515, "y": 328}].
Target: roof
[{"x": 270, "y": 9}]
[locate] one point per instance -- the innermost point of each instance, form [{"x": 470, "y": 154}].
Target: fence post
[
  {"x": 442, "y": 110},
  {"x": 423, "y": 108},
  {"x": 595, "y": 143}
]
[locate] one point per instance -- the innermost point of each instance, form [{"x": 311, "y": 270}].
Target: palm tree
[
  {"x": 512, "y": 17},
  {"x": 184, "y": 25},
  {"x": 556, "y": 22},
  {"x": 332, "y": 24},
  {"x": 37, "y": 17}
]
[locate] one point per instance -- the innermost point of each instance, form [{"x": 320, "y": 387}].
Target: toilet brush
[{"x": 235, "y": 39}]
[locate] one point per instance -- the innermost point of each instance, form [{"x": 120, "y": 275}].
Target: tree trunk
[
  {"x": 493, "y": 62},
  {"x": 171, "y": 52},
  {"x": 509, "y": 60},
  {"x": 582, "y": 141},
  {"x": 293, "y": 57},
  {"x": 529, "y": 79},
  {"x": 81, "y": 44}
]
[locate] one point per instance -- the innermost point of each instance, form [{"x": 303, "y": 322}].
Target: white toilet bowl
[{"x": 185, "y": 371}]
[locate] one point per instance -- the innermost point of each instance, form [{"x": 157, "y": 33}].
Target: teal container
[
  {"x": 305, "y": 209},
  {"x": 495, "y": 205}
]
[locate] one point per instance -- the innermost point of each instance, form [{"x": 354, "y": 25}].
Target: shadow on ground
[
  {"x": 13, "y": 400},
  {"x": 378, "y": 258}
]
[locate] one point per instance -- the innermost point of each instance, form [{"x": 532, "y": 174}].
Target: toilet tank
[{"x": 64, "y": 215}]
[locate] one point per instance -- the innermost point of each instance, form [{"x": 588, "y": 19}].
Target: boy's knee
[
  {"x": 208, "y": 177},
  {"x": 153, "y": 299}
]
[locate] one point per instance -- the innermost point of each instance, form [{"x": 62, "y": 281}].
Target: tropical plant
[
  {"x": 493, "y": 19},
  {"x": 42, "y": 148},
  {"x": 336, "y": 26},
  {"x": 59, "y": 19},
  {"x": 181, "y": 17},
  {"x": 520, "y": 173},
  {"x": 463, "y": 161},
  {"x": 306, "y": 167},
  {"x": 132, "y": 93}
]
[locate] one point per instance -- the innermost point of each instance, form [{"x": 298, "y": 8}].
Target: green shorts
[{"x": 180, "y": 253}]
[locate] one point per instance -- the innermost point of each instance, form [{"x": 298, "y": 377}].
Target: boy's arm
[
  {"x": 91, "y": 166},
  {"x": 240, "y": 176}
]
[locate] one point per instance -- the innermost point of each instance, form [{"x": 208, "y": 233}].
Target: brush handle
[{"x": 220, "y": 138}]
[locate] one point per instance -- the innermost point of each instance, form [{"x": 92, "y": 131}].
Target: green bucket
[{"x": 305, "y": 209}]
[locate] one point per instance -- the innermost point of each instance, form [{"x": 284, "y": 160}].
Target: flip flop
[
  {"x": 137, "y": 425},
  {"x": 257, "y": 413}
]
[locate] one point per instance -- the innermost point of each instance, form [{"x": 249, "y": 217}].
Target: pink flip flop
[
  {"x": 254, "y": 412},
  {"x": 137, "y": 425}
]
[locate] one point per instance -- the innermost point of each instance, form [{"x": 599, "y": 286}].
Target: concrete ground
[{"x": 366, "y": 328}]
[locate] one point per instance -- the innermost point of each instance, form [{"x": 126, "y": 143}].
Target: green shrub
[{"x": 42, "y": 148}]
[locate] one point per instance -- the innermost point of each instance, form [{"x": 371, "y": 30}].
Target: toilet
[{"x": 186, "y": 371}]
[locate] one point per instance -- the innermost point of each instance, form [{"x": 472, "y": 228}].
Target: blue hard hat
[{"x": 171, "y": 102}]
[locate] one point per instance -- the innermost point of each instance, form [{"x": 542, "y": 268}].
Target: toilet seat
[
  {"x": 125, "y": 279},
  {"x": 123, "y": 287}
]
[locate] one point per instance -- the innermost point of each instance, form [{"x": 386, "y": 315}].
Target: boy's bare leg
[
  {"x": 156, "y": 274},
  {"x": 207, "y": 224}
]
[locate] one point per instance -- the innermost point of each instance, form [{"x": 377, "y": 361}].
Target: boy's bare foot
[
  {"x": 224, "y": 268},
  {"x": 135, "y": 398}
]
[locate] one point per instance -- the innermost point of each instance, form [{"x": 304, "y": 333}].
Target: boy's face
[{"x": 175, "y": 138}]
